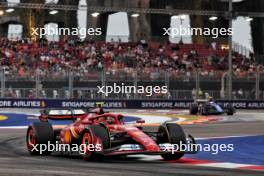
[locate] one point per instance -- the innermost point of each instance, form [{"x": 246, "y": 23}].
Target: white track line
[
  {"x": 224, "y": 165},
  {"x": 224, "y": 137},
  {"x": 13, "y": 127}
]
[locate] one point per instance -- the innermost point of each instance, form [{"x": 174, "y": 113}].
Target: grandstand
[{"x": 25, "y": 60}]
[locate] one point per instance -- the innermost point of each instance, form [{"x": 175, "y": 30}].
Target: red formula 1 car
[{"x": 107, "y": 132}]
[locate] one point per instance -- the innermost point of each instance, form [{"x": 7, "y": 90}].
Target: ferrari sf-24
[{"x": 108, "y": 130}]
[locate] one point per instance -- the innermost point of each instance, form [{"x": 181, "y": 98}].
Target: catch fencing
[{"x": 73, "y": 84}]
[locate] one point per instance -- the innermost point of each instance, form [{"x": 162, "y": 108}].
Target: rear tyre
[
  {"x": 205, "y": 109},
  {"x": 88, "y": 137},
  {"x": 230, "y": 110},
  {"x": 39, "y": 133},
  {"x": 174, "y": 134},
  {"x": 193, "y": 109}
]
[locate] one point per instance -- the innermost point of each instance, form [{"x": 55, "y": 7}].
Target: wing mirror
[{"x": 140, "y": 121}]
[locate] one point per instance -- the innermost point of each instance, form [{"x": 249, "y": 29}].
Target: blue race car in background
[{"x": 207, "y": 107}]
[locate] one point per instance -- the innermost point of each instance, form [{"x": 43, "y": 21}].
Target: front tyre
[
  {"x": 174, "y": 134},
  {"x": 230, "y": 110},
  {"x": 193, "y": 109},
  {"x": 89, "y": 137}
]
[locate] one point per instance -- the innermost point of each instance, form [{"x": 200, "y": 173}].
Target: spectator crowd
[{"x": 53, "y": 60}]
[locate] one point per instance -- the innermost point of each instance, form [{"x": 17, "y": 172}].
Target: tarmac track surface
[{"x": 15, "y": 160}]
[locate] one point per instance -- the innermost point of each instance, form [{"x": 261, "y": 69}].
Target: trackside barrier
[{"x": 118, "y": 104}]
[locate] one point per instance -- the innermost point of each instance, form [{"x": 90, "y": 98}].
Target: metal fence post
[
  {"x": 223, "y": 88},
  {"x": 257, "y": 83},
  {"x": 37, "y": 83},
  {"x": 103, "y": 80},
  {"x": 70, "y": 84},
  {"x": 167, "y": 83},
  {"x": 230, "y": 64},
  {"x": 3, "y": 82},
  {"x": 197, "y": 83},
  {"x": 135, "y": 83}
]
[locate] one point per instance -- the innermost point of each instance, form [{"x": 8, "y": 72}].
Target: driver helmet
[
  {"x": 210, "y": 98},
  {"x": 110, "y": 120}
]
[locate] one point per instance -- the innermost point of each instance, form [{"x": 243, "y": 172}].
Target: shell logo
[{"x": 2, "y": 117}]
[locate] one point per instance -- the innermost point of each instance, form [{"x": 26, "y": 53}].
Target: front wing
[{"x": 132, "y": 149}]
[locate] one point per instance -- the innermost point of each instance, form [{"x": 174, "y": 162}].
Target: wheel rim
[
  {"x": 31, "y": 140},
  {"x": 86, "y": 140}
]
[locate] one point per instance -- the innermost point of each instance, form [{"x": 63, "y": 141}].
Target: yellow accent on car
[
  {"x": 67, "y": 136},
  {"x": 74, "y": 134}
]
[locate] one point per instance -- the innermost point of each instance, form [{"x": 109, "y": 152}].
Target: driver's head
[
  {"x": 210, "y": 98},
  {"x": 110, "y": 120}
]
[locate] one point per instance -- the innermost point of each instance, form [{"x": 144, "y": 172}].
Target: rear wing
[{"x": 62, "y": 114}]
